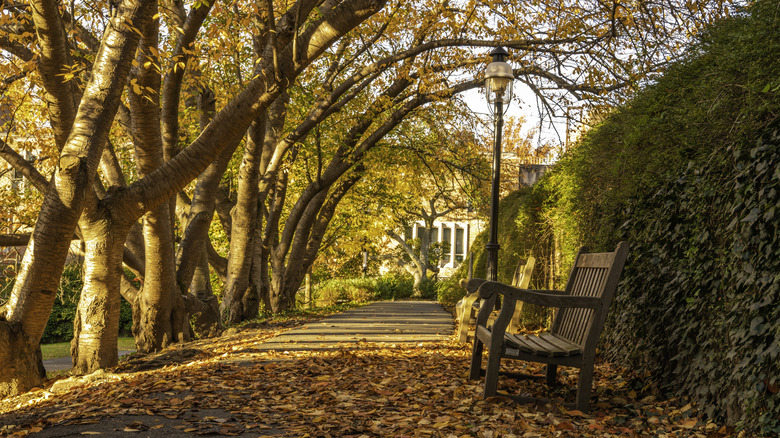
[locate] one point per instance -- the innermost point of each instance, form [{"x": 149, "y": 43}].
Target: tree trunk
[
  {"x": 21, "y": 367},
  {"x": 308, "y": 290},
  {"x": 260, "y": 275},
  {"x": 31, "y": 300},
  {"x": 202, "y": 303},
  {"x": 263, "y": 136},
  {"x": 96, "y": 324},
  {"x": 162, "y": 316},
  {"x": 252, "y": 297}
]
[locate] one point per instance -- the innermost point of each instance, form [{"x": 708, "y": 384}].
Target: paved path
[
  {"x": 386, "y": 321},
  {"x": 392, "y": 322}
]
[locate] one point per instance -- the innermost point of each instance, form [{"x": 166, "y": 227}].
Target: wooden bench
[
  {"x": 467, "y": 308},
  {"x": 571, "y": 341}
]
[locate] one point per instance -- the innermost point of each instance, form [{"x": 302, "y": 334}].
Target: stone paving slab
[{"x": 392, "y": 322}]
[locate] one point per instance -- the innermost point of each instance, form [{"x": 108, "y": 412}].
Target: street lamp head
[{"x": 498, "y": 78}]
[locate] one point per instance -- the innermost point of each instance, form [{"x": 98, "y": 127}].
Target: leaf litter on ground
[{"x": 226, "y": 386}]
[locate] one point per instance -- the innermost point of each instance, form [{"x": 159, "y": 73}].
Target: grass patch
[{"x": 62, "y": 349}]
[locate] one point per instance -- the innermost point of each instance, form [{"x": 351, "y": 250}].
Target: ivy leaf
[
  {"x": 752, "y": 216},
  {"x": 757, "y": 326}
]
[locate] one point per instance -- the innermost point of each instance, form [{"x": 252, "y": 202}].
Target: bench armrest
[
  {"x": 545, "y": 298},
  {"x": 472, "y": 285}
]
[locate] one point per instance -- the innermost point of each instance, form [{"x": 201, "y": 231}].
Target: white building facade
[{"x": 458, "y": 232}]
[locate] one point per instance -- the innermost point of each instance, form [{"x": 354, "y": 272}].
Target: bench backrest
[
  {"x": 523, "y": 271},
  {"x": 593, "y": 275}
]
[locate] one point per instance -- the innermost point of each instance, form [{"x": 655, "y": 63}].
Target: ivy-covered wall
[
  {"x": 698, "y": 308},
  {"x": 689, "y": 173}
]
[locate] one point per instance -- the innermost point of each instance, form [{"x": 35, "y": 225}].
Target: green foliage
[
  {"x": 427, "y": 289},
  {"x": 395, "y": 286},
  {"x": 449, "y": 291},
  {"x": 713, "y": 99},
  {"x": 523, "y": 232},
  {"x": 687, "y": 173},
  {"x": 697, "y": 309}
]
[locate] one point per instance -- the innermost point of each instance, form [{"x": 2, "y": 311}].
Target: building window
[
  {"x": 460, "y": 240},
  {"x": 446, "y": 236}
]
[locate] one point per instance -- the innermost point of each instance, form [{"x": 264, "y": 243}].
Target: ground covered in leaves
[{"x": 226, "y": 386}]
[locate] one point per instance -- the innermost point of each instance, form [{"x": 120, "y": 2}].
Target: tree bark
[
  {"x": 96, "y": 324},
  {"x": 24, "y": 366},
  {"x": 263, "y": 135},
  {"x": 162, "y": 317}
]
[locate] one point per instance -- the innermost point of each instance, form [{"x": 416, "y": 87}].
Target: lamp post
[{"x": 498, "y": 89}]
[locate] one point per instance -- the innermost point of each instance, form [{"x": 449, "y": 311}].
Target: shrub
[
  {"x": 395, "y": 286},
  {"x": 391, "y": 286},
  {"x": 60, "y": 325},
  {"x": 449, "y": 291},
  {"x": 339, "y": 290},
  {"x": 427, "y": 289}
]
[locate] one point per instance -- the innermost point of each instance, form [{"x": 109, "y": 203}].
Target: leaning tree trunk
[
  {"x": 244, "y": 224},
  {"x": 311, "y": 232},
  {"x": 202, "y": 303},
  {"x": 254, "y": 293}
]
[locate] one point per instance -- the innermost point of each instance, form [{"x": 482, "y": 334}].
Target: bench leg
[
  {"x": 466, "y": 313},
  {"x": 552, "y": 373},
  {"x": 466, "y": 317},
  {"x": 463, "y": 329},
  {"x": 584, "y": 387},
  {"x": 491, "y": 372},
  {"x": 476, "y": 359}
]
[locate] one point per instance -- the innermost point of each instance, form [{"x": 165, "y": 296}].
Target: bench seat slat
[
  {"x": 570, "y": 348},
  {"x": 548, "y": 345}
]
